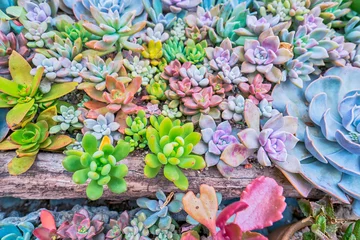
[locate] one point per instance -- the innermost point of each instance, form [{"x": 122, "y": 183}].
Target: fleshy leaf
[
  {"x": 58, "y": 90},
  {"x": 18, "y": 113},
  {"x": 47, "y": 220},
  {"x": 190, "y": 235},
  {"x": 20, "y": 165},
  {"x": 20, "y": 69}
]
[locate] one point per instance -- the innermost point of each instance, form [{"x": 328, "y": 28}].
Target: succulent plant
[
  {"x": 219, "y": 86},
  {"x": 312, "y": 20},
  {"x": 196, "y": 34},
  {"x": 329, "y": 153},
  {"x": 152, "y": 109},
  {"x": 182, "y": 5},
  {"x": 171, "y": 145},
  {"x": 21, "y": 231},
  {"x": 114, "y": 29},
  {"x": 355, "y": 57},
  {"x": 233, "y": 108},
  {"x": 38, "y": 12},
  {"x": 222, "y": 56},
  {"x": 231, "y": 75},
  {"x": 172, "y": 70},
  {"x": 204, "y": 209},
  {"x": 37, "y": 34},
  {"x": 257, "y": 90},
  {"x": 194, "y": 53},
  {"x": 181, "y": 88},
  {"x": 76, "y": 144},
  {"x": 30, "y": 139},
  {"x": 203, "y": 18},
  {"x": 177, "y": 31},
  {"x": 288, "y": 9},
  {"x": 298, "y": 70},
  {"x": 172, "y": 48},
  {"x": 274, "y": 142},
  {"x": 103, "y": 126},
  {"x": 99, "y": 164},
  {"x": 136, "y": 131},
  {"x": 205, "y": 102},
  {"x": 171, "y": 110},
  {"x": 266, "y": 109},
  {"x": 156, "y": 90},
  {"x": 262, "y": 56},
  {"x": 9, "y": 43},
  {"x": 137, "y": 230},
  {"x": 74, "y": 31},
  {"x": 215, "y": 140},
  {"x": 154, "y": 8},
  {"x": 334, "y": 13},
  {"x": 81, "y": 227},
  {"x": 140, "y": 68},
  {"x": 164, "y": 234},
  {"x": 156, "y": 34},
  {"x": 47, "y": 230},
  {"x": 117, "y": 226},
  {"x": 68, "y": 120},
  {"x": 22, "y": 93},
  {"x": 99, "y": 70},
  {"x": 158, "y": 211},
  {"x": 153, "y": 51},
  {"x": 341, "y": 55},
  {"x": 82, "y": 10},
  {"x": 197, "y": 76}
]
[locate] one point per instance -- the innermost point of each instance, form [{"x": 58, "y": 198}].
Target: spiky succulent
[
  {"x": 74, "y": 31},
  {"x": 137, "y": 230},
  {"x": 171, "y": 144},
  {"x": 99, "y": 164},
  {"x": 155, "y": 11},
  {"x": 172, "y": 48},
  {"x": 158, "y": 211},
  {"x": 68, "y": 120},
  {"x": 136, "y": 131}
]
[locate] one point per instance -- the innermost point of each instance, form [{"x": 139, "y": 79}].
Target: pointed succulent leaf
[
  {"x": 18, "y": 113},
  {"x": 58, "y": 90},
  {"x": 19, "y": 165},
  {"x": 20, "y": 69}
]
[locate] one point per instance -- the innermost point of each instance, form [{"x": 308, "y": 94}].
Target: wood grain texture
[{"x": 47, "y": 179}]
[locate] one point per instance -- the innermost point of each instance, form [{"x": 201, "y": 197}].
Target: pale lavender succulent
[
  {"x": 312, "y": 20},
  {"x": 262, "y": 56},
  {"x": 224, "y": 55},
  {"x": 152, "y": 109},
  {"x": 232, "y": 75},
  {"x": 203, "y": 18},
  {"x": 103, "y": 126},
  {"x": 233, "y": 108},
  {"x": 196, "y": 75},
  {"x": 157, "y": 34},
  {"x": 274, "y": 142},
  {"x": 38, "y": 12},
  {"x": 298, "y": 70},
  {"x": 341, "y": 55},
  {"x": 355, "y": 57},
  {"x": 177, "y": 6},
  {"x": 38, "y": 34},
  {"x": 76, "y": 69}
]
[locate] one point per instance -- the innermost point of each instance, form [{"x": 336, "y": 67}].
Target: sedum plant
[
  {"x": 136, "y": 131},
  {"x": 99, "y": 164},
  {"x": 30, "y": 139},
  {"x": 352, "y": 231},
  {"x": 162, "y": 234},
  {"x": 68, "y": 120},
  {"x": 153, "y": 52},
  {"x": 171, "y": 145},
  {"x": 136, "y": 229},
  {"x": 22, "y": 94}
]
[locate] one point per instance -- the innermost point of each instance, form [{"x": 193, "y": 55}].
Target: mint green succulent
[
  {"x": 67, "y": 121},
  {"x": 156, "y": 89},
  {"x": 171, "y": 48},
  {"x": 114, "y": 29},
  {"x": 162, "y": 234},
  {"x": 193, "y": 52},
  {"x": 178, "y": 31},
  {"x": 136, "y": 130},
  {"x": 140, "y": 68},
  {"x": 136, "y": 230},
  {"x": 74, "y": 31},
  {"x": 171, "y": 145}
]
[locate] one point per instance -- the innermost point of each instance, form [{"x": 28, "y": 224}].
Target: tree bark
[{"x": 47, "y": 179}]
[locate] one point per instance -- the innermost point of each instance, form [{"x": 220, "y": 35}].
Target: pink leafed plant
[
  {"x": 257, "y": 90},
  {"x": 261, "y": 204},
  {"x": 47, "y": 230}
]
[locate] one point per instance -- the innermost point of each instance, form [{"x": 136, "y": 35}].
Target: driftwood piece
[{"x": 47, "y": 179}]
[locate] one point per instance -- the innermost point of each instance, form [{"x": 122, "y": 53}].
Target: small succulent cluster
[{"x": 67, "y": 121}]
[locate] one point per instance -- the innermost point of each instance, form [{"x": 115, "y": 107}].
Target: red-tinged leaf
[
  {"x": 190, "y": 235},
  {"x": 18, "y": 113},
  {"x": 42, "y": 233},
  {"x": 47, "y": 115},
  {"x": 47, "y": 220},
  {"x": 58, "y": 142},
  {"x": 85, "y": 85},
  {"x": 93, "y": 105},
  {"x": 134, "y": 86},
  {"x": 266, "y": 204},
  {"x": 20, "y": 69},
  {"x": 121, "y": 119},
  {"x": 20, "y": 165},
  {"x": 58, "y": 90},
  {"x": 227, "y": 212},
  {"x": 230, "y": 232},
  {"x": 253, "y": 236},
  {"x": 8, "y": 145},
  {"x": 95, "y": 94},
  {"x": 235, "y": 154},
  {"x": 252, "y": 115},
  {"x": 203, "y": 209}
]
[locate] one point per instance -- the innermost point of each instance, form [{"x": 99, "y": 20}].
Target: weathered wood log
[{"x": 47, "y": 179}]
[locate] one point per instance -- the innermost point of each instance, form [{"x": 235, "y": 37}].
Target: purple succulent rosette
[
  {"x": 223, "y": 56},
  {"x": 275, "y": 140},
  {"x": 328, "y": 112},
  {"x": 176, "y": 6},
  {"x": 262, "y": 55},
  {"x": 217, "y": 144},
  {"x": 38, "y": 12}
]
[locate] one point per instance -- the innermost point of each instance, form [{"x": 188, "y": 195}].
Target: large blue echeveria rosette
[{"x": 328, "y": 110}]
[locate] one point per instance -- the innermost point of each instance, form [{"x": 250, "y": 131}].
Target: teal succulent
[
  {"x": 352, "y": 30},
  {"x": 114, "y": 30},
  {"x": 137, "y": 229},
  {"x": 172, "y": 48},
  {"x": 99, "y": 164},
  {"x": 158, "y": 211},
  {"x": 171, "y": 145},
  {"x": 193, "y": 52},
  {"x": 165, "y": 234},
  {"x": 22, "y": 231},
  {"x": 136, "y": 130},
  {"x": 155, "y": 11},
  {"x": 67, "y": 121}
]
